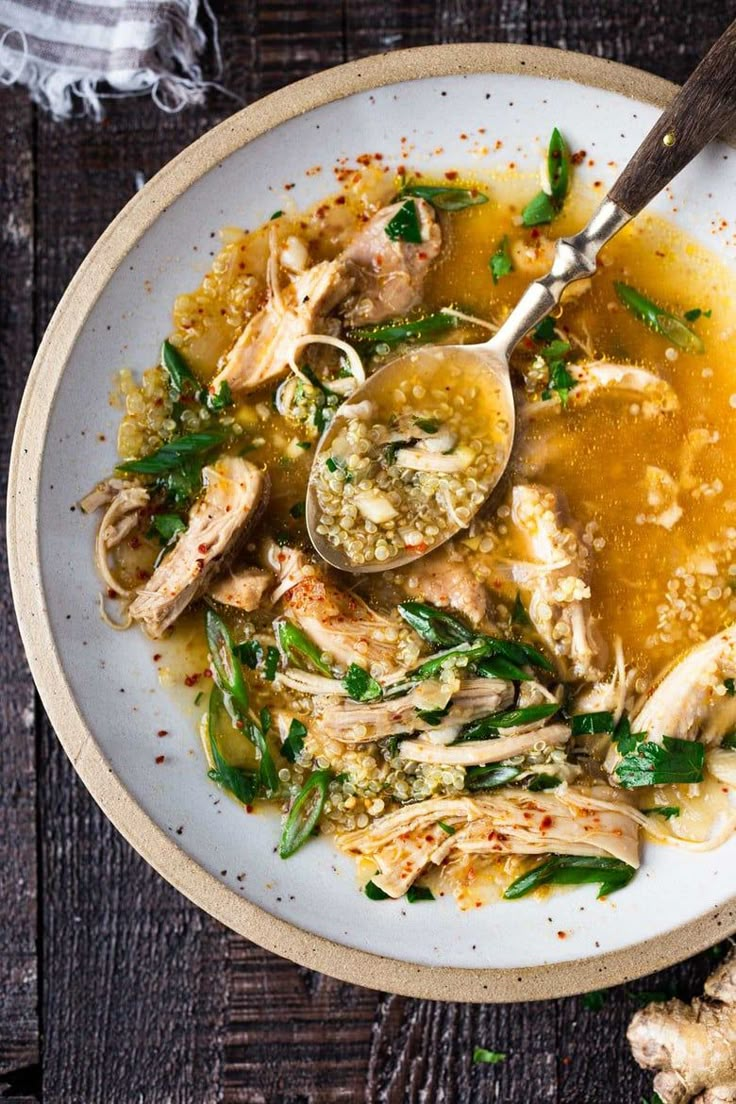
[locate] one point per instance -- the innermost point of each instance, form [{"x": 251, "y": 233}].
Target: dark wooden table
[{"x": 113, "y": 988}]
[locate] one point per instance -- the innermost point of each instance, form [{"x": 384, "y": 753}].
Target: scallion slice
[{"x": 304, "y": 813}]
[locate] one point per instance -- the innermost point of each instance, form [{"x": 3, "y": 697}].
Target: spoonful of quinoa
[{"x": 417, "y": 449}]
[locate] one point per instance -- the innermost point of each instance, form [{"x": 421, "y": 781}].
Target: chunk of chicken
[
  {"x": 245, "y": 589},
  {"x": 570, "y": 821},
  {"x": 655, "y": 394},
  {"x": 234, "y": 493},
  {"x": 289, "y": 565},
  {"x": 389, "y": 274},
  {"x": 355, "y": 722},
  {"x": 557, "y": 579},
  {"x": 343, "y": 625},
  {"x": 479, "y": 752},
  {"x": 261, "y": 353},
  {"x": 691, "y": 701},
  {"x": 444, "y": 579}
]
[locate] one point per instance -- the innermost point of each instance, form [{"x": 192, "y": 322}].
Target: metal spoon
[{"x": 704, "y": 106}]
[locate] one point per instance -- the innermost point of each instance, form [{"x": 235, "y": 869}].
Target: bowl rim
[{"x": 162, "y": 853}]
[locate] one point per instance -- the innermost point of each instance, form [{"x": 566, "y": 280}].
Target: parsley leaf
[
  {"x": 500, "y": 263},
  {"x": 360, "y": 685},
  {"x": 294, "y": 741},
  {"x": 650, "y": 764},
  {"x": 404, "y": 226}
]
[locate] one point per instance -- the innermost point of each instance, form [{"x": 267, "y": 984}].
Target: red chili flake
[
  {"x": 422, "y": 255},
  {"x": 160, "y": 758},
  {"x": 288, "y": 187},
  {"x": 111, "y": 593},
  {"x": 207, "y": 672},
  {"x": 340, "y": 201},
  {"x": 135, "y": 542},
  {"x": 579, "y": 157},
  {"x": 239, "y": 724},
  {"x": 512, "y": 165},
  {"x": 191, "y": 680},
  {"x": 545, "y": 822},
  {"x": 203, "y": 548},
  {"x": 401, "y": 171},
  {"x": 452, "y": 174},
  {"x": 562, "y": 935},
  {"x": 249, "y": 808},
  {"x": 463, "y": 137},
  {"x": 162, "y": 732},
  {"x": 535, "y": 233},
  {"x": 143, "y": 575},
  {"x": 200, "y": 566}
]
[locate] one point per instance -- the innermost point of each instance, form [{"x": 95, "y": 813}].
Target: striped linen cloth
[{"x": 72, "y": 53}]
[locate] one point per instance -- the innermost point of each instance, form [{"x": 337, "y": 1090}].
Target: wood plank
[
  {"x": 19, "y": 1026},
  {"x": 135, "y": 976}
]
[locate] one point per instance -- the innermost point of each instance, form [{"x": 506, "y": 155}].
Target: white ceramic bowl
[{"x": 100, "y": 687}]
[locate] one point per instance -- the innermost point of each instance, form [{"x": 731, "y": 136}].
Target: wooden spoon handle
[{"x": 704, "y": 107}]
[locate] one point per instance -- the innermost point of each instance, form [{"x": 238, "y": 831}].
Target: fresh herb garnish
[
  {"x": 463, "y": 655},
  {"x": 500, "y": 263},
  {"x": 250, "y": 653},
  {"x": 446, "y": 198},
  {"x": 428, "y": 425},
  {"x": 275, "y": 215},
  {"x": 174, "y": 454},
  {"x": 168, "y": 526},
  {"x": 374, "y": 892},
  {"x": 434, "y": 625},
  {"x": 591, "y": 724},
  {"x": 294, "y": 742},
  {"x": 696, "y": 313},
  {"x": 417, "y": 329},
  {"x": 666, "y": 811},
  {"x": 304, "y": 813},
  {"x": 730, "y": 685},
  {"x": 658, "y": 319},
  {"x": 545, "y": 331},
  {"x": 543, "y": 207},
  {"x": 481, "y": 1056},
  {"x": 405, "y": 226},
  {"x": 729, "y": 741},
  {"x": 242, "y": 784},
  {"x": 360, "y": 684},
  {"x": 220, "y": 399},
  {"x": 417, "y": 893},
  {"x": 651, "y": 764},
  {"x": 434, "y": 717},
  {"x": 500, "y": 667},
  {"x": 624, "y": 739},
  {"x": 337, "y": 464},
  {"x": 447, "y": 828},
  {"x": 298, "y": 510},
  {"x": 271, "y": 663},
  {"x": 612, "y": 874},
  {"x": 294, "y": 643},
  {"x": 488, "y": 778}
]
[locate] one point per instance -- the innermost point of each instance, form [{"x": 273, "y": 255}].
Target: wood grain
[
  {"x": 19, "y": 1041},
  {"x": 144, "y": 998}
]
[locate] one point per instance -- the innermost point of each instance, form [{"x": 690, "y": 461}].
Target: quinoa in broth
[{"x": 496, "y": 716}]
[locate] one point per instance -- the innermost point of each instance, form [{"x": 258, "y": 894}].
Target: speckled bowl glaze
[{"x": 468, "y": 107}]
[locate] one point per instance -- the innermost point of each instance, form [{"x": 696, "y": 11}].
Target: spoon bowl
[{"x": 410, "y": 458}]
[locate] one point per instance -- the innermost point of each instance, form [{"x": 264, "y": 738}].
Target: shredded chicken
[
  {"x": 691, "y": 701},
  {"x": 356, "y": 722},
  {"x": 124, "y": 502},
  {"x": 655, "y": 395},
  {"x": 609, "y": 695},
  {"x": 263, "y": 351},
  {"x": 568, "y": 821},
  {"x": 389, "y": 274},
  {"x": 234, "y": 493},
  {"x": 289, "y": 565},
  {"x": 386, "y": 277},
  {"x": 557, "y": 579},
  {"x": 444, "y": 579},
  {"x": 478, "y": 752},
  {"x": 245, "y": 589},
  {"x": 343, "y": 625}
]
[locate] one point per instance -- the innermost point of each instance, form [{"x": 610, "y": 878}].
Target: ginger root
[{"x": 692, "y": 1045}]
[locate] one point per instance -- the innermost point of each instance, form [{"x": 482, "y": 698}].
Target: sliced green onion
[
  {"x": 394, "y": 334},
  {"x": 181, "y": 377},
  {"x": 488, "y": 727},
  {"x": 374, "y": 892},
  {"x": 174, "y": 454},
  {"x": 304, "y": 813},
  {"x": 417, "y": 893},
  {"x": 588, "y": 724},
  {"x": 611, "y": 874},
  {"x": 241, "y": 783},
  {"x": 295, "y": 643},
  {"x": 659, "y": 320},
  {"x": 294, "y": 742},
  {"x": 544, "y": 782},
  {"x": 488, "y": 778},
  {"x": 558, "y": 166},
  {"x": 227, "y": 670},
  {"x": 271, "y": 663},
  {"x": 446, "y": 198},
  {"x": 666, "y": 811}
]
